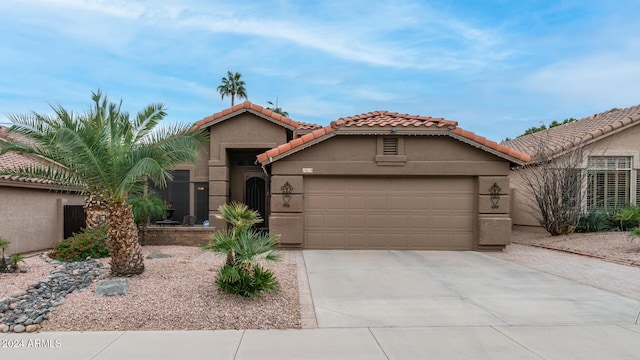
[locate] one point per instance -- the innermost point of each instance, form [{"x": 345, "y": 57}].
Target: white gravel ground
[
  {"x": 175, "y": 293},
  {"x": 616, "y": 246},
  {"x": 37, "y": 269},
  {"x": 178, "y": 293}
]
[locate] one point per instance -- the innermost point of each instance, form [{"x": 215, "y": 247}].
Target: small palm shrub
[
  {"x": 14, "y": 260},
  {"x": 89, "y": 243},
  {"x": 245, "y": 249},
  {"x": 4, "y": 244}
]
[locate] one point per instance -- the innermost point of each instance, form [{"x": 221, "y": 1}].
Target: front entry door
[{"x": 256, "y": 194}]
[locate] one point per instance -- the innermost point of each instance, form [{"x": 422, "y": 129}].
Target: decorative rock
[
  {"x": 31, "y": 328},
  {"x": 19, "y": 328},
  {"x": 112, "y": 287},
  {"x": 157, "y": 255},
  {"x": 25, "y": 310}
]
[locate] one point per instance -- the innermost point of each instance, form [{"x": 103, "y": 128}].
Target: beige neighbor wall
[
  {"x": 32, "y": 219},
  {"x": 622, "y": 143},
  {"x": 359, "y": 155},
  {"x": 245, "y": 131}
]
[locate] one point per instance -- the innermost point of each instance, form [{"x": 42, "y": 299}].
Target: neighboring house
[
  {"x": 379, "y": 180},
  {"x": 31, "y": 212},
  {"x": 610, "y": 144}
]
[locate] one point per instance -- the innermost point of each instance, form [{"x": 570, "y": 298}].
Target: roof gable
[
  {"x": 562, "y": 138},
  {"x": 12, "y": 160},
  {"x": 384, "y": 122},
  {"x": 250, "y": 108}
]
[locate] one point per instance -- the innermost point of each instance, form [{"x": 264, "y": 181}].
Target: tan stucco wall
[
  {"x": 245, "y": 131},
  {"x": 425, "y": 155},
  {"x": 621, "y": 143},
  {"x": 32, "y": 219},
  {"x": 355, "y": 155}
]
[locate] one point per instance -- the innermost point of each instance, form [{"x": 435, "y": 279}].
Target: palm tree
[
  {"x": 232, "y": 85},
  {"x": 144, "y": 208},
  {"x": 106, "y": 154},
  {"x": 276, "y": 109}
]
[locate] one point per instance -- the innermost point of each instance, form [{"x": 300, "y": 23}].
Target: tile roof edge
[
  {"x": 498, "y": 149},
  {"x": 296, "y": 145},
  {"x": 246, "y": 106}
]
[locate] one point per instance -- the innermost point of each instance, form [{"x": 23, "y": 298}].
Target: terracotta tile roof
[
  {"x": 384, "y": 120},
  {"x": 561, "y": 138},
  {"x": 13, "y": 160},
  {"x": 308, "y": 126},
  {"x": 247, "y": 106}
]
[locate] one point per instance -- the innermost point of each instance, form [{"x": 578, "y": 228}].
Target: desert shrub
[
  {"x": 89, "y": 243},
  {"x": 14, "y": 260},
  {"x": 618, "y": 219},
  {"x": 4, "y": 244},
  {"x": 627, "y": 217},
  {"x": 594, "y": 221},
  {"x": 244, "y": 249},
  {"x": 237, "y": 281}
]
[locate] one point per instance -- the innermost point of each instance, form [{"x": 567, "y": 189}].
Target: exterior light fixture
[
  {"x": 286, "y": 193},
  {"x": 495, "y": 195}
]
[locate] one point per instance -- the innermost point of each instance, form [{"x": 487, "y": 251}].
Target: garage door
[{"x": 388, "y": 213}]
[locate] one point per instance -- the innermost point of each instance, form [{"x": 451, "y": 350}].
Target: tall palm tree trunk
[
  {"x": 96, "y": 209},
  {"x": 125, "y": 250}
]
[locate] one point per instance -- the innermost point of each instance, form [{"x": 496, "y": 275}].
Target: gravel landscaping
[
  {"x": 618, "y": 246},
  {"x": 177, "y": 292},
  {"x": 174, "y": 293}
]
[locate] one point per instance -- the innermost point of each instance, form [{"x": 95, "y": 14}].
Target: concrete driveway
[{"x": 355, "y": 289}]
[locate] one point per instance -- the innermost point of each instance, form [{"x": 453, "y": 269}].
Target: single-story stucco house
[
  {"x": 610, "y": 143},
  {"x": 31, "y": 210},
  {"x": 379, "y": 180}
]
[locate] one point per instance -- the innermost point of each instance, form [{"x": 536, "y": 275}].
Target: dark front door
[{"x": 255, "y": 194}]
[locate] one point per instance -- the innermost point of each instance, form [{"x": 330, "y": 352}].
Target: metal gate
[{"x": 74, "y": 219}]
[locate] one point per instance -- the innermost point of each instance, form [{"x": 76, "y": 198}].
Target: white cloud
[{"x": 601, "y": 80}]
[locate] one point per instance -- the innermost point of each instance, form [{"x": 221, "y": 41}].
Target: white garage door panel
[{"x": 389, "y": 213}]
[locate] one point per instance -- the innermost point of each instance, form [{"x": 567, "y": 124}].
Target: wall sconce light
[
  {"x": 495, "y": 195},
  {"x": 394, "y": 130},
  {"x": 286, "y": 193}
]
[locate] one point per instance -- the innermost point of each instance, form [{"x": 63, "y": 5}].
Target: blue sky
[{"x": 497, "y": 67}]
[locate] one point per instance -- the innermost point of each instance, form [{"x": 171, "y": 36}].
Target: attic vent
[{"x": 390, "y": 146}]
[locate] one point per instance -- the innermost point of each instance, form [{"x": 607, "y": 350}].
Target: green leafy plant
[
  {"x": 627, "y": 217},
  {"x": 4, "y": 244},
  {"x": 89, "y": 243},
  {"x": 245, "y": 249},
  {"x": 594, "y": 221},
  {"x": 14, "y": 260},
  {"x": 144, "y": 208}
]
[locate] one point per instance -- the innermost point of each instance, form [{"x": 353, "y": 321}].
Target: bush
[
  {"x": 594, "y": 221},
  {"x": 233, "y": 280},
  {"x": 627, "y": 217},
  {"x": 90, "y": 243},
  {"x": 244, "y": 249},
  {"x": 619, "y": 219}
]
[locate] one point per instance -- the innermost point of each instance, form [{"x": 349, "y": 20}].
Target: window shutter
[
  {"x": 609, "y": 182},
  {"x": 390, "y": 146},
  {"x": 637, "y": 187}
]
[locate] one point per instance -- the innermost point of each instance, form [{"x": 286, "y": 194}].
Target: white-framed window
[{"x": 609, "y": 182}]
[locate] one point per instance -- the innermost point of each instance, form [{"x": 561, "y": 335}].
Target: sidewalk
[{"x": 487, "y": 342}]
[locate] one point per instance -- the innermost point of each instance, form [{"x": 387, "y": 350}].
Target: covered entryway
[{"x": 431, "y": 213}]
